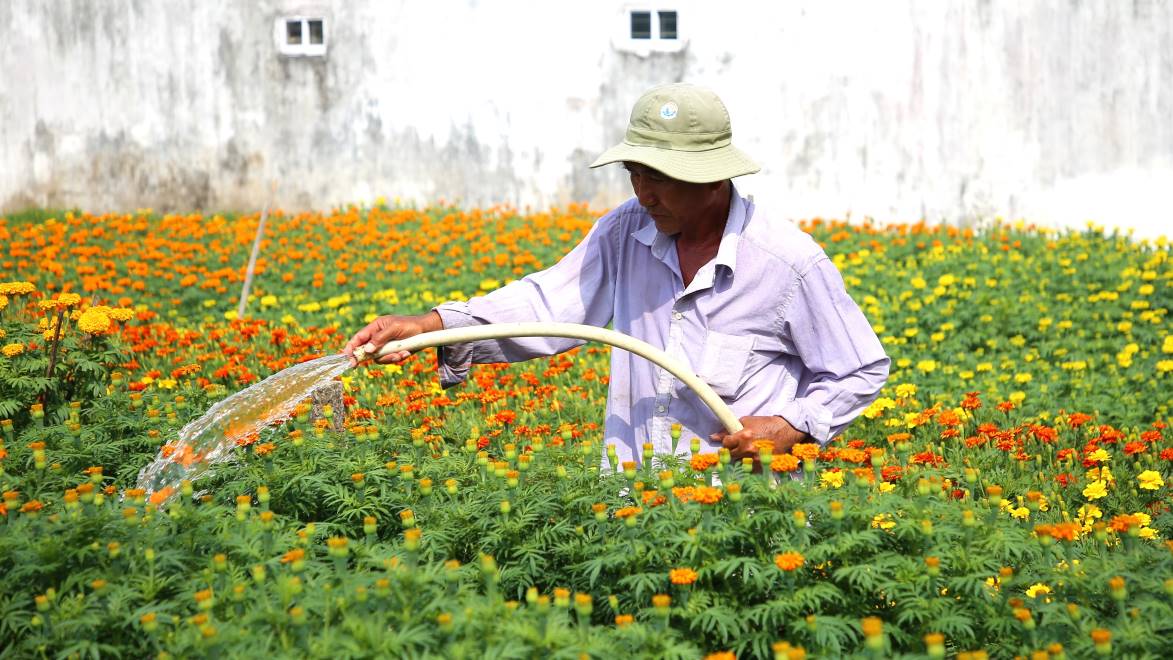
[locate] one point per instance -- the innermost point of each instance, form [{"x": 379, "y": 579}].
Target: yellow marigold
[
  {"x": 831, "y": 479},
  {"x": 789, "y": 561},
  {"x": 1149, "y": 479},
  {"x": 121, "y": 313},
  {"x": 12, "y": 350},
  {"x": 1095, "y": 490},
  {"x": 16, "y": 288},
  {"x": 805, "y": 450},
  {"x": 93, "y": 321},
  {"x": 682, "y": 576},
  {"x": 1038, "y": 589},
  {"x": 708, "y": 495}
]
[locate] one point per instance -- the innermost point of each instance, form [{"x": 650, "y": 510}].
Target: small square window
[
  {"x": 641, "y": 25},
  {"x": 293, "y": 32},
  {"x": 300, "y": 36},
  {"x": 667, "y": 24}
]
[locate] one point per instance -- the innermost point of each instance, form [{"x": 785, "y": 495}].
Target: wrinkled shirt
[{"x": 767, "y": 323}]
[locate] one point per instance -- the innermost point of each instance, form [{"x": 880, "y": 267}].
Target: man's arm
[{"x": 845, "y": 360}]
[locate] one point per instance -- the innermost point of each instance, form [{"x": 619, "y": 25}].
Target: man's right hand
[{"x": 390, "y": 328}]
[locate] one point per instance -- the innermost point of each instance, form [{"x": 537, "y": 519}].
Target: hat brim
[{"x": 691, "y": 166}]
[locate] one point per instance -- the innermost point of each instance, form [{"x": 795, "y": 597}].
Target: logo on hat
[{"x": 668, "y": 110}]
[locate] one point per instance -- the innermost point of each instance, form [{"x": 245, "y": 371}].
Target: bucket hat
[{"x": 683, "y": 131}]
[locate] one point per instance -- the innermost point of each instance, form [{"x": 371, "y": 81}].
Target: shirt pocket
[{"x": 723, "y": 362}]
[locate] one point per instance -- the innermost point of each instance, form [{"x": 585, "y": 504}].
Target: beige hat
[{"x": 683, "y": 131}]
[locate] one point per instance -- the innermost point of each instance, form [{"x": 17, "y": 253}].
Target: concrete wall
[{"x": 1055, "y": 110}]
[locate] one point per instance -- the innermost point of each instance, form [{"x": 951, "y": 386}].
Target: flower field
[{"x": 1008, "y": 495}]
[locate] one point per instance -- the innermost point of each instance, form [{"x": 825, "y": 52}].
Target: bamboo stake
[{"x": 252, "y": 259}]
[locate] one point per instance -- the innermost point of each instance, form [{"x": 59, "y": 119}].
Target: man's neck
[{"x": 709, "y": 229}]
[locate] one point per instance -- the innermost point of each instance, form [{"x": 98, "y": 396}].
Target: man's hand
[
  {"x": 774, "y": 428},
  {"x": 391, "y": 328}
]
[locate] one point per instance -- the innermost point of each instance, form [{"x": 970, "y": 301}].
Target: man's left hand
[{"x": 773, "y": 428}]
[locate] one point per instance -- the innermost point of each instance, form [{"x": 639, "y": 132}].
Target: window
[
  {"x": 667, "y": 24},
  {"x": 648, "y": 28},
  {"x": 301, "y": 36},
  {"x": 318, "y": 37},
  {"x": 641, "y": 25},
  {"x": 293, "y": 33}
]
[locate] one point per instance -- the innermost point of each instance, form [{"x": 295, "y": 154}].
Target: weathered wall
[{"x": 1049, "y": 109}]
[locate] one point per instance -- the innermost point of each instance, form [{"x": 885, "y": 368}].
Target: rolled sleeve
[
  {"x": 454, "y": 362},
  {"x": 844, "y": 358},
  {"x": 577, "y": 289}
]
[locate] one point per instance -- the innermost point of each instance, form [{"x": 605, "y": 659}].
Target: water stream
[{"x": 210, "y": 439}]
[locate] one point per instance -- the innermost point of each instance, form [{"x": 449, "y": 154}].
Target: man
[{"x": 689, "y": 265}]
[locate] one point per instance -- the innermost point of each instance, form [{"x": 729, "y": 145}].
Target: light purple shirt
[{"x": 767, "y": 323}]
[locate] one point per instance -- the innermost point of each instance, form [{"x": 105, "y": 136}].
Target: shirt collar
[{"x": 740, "y": 209}]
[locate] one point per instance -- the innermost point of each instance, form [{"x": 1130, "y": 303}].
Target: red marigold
[{"x": 1135, "y": 448}]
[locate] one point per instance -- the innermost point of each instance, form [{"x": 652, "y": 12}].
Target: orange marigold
[
  {"x": 708, "y": 495},
  {"x": 702, "y": 462},
  {"x": 805, "y": 450},
  {"x": 682, "y": 576},
  {"x": 628, "y": 511},
  {"x": 789, "y": 561},
  {"x": 784, "y": 463}
]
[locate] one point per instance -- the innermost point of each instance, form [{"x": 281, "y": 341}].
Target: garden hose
[{"x": 572, "y": 331}]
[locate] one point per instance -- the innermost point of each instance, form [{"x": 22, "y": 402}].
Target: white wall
[{"x": 1054, "y": 110}]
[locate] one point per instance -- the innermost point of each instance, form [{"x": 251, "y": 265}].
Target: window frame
[
  {"x": 624, "y": 38},
  {"x": 305, "y": 48}
]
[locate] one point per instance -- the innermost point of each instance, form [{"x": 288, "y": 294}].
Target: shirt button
[
  {"x": 677, "y": 315},
  {"x": 660, "y": 409}
]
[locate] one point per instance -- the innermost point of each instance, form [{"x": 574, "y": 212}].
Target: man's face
[{"x": 674, "y": 205}]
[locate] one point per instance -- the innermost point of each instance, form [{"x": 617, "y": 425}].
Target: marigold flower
[
  {"x": 93, "y": 321},
  {"x": 1096, "y": 490},
  {"x": 784, "y": 463},
  {"x": 721, "y": 655},
  {"x": 805, "y": 450},
  {"x": 682, "y": 576},
  {"x": 1150, "y": 480},
  {"x": 1103, "y": 640},
  {"x": 708, "y": 494},
  {"x": 831, "y": 479},
  {"x": 702, "y": 462},
  {"x": 871, "y": 626},
  {"x": 622, "y": 620},
  {"x": 789, "y": 561},
  {"x": 627, "y": 512},
  {"x": 1036, "y": 590}
]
